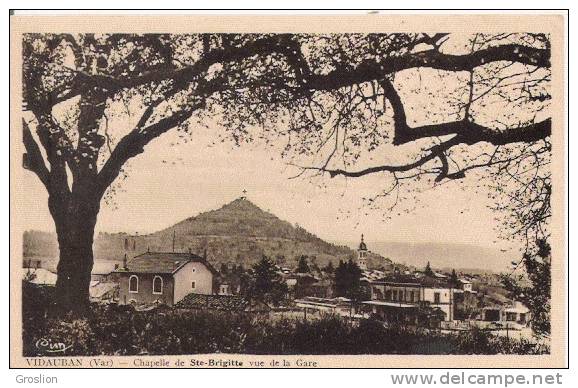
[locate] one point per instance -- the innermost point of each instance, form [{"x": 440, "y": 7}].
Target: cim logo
[{"x": 48, "y": 346}]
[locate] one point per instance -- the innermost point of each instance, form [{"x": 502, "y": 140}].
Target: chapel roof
[{"x": 163, "y": 262}]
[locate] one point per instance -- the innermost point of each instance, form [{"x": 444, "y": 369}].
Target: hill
[{"x": 239, "y": 232}]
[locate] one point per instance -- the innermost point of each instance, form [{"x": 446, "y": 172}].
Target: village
[
  {"x": 353, "y": 291},
  {"x": 288, "y": 185}
]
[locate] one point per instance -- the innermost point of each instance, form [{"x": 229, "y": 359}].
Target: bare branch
[{"x": 433, "y": 152}]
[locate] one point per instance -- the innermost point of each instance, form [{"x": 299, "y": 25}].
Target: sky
[{"x": 169, "y": 183}]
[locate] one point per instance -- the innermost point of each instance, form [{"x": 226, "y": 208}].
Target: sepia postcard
[{"x": 339, "y": 191}]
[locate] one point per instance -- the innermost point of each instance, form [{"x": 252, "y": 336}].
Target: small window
[
  {"x": 133, "y": 284},
  {"x": 157, "y": 285},
  {"x": 194, "y": 270},
  {"x": 436, "y": 297},
  {"x": 511, "y": 317},
  {"x": 193, "y": 285}
]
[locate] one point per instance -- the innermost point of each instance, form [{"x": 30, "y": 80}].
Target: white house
[
  {"x": 400, "y": 297},
  {"x": 466, "y": 285},
  {"x": 40, "y": 276},
  {"x": 513, "y": 312},
  {"x": 160, "y": 277}
]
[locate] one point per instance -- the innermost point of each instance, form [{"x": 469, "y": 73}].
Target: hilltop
[{"x": 239, "y": 232}]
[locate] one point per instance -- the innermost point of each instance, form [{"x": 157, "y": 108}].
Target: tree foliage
[
  {"x": 329, "y": 268},
  {"x": 454, "y": 281},
  {"x": 343, "y": 104},
  {"x": 468, "y": 308},
  {"x": 119, "y": 330},
  {"x": 354, "y": 89},
  {"x": 533, "y": 286},
  {"x": 266, "y": 284},
  {"x": 302, "y": 266},
  {"x": 428, "y": 271},
  {"x": 347, "y": 281}
]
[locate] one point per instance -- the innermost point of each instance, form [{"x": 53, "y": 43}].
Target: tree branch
[
  {"x": 470, "y": 132},
  {"x": 133, "y": 144},
  {"x": 283, "y": 44},
  {"x": 465, "y": 133},
  {"x": 372, "y": 70},
  {"x": 32, "y": 159},
  {"x": 433, "y": 152}
]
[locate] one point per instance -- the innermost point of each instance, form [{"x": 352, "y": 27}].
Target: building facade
[
  {"x": 157, "y": 277},
  {"x": 404, "y": 297},
  {"x": 514, "y": 312}
]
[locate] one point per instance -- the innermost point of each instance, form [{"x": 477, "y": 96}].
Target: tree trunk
[{"x": 75, "y": 221}]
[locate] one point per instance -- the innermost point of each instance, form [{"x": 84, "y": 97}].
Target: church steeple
[
  {"x": 362, "y": 255},
  {"x": 362, "y": 246}
]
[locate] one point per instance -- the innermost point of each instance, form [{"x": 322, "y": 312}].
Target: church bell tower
[{"x": 362, "y": 255}]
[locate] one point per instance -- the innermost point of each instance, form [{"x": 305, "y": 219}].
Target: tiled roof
[
  {"x": 424, "y": 281},
  {"x": 163, "y": 262},
  {"x": 100, "y": 290},
  {"x": 102, "y": 267},
  {"x": 41, "y": 276}
]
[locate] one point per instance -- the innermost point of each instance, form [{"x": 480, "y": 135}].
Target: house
[
  {"x": 225, "y": 289},
  {"x": 300, "y": 284},
  {"x": 40, "y": 276},
  {"x": 465, "y": 285},
  {"x": 228, "y": 284},
  {"x": 103, "y": 292},
  {"x": 160, "y": 277},
  {"x": 32, "y": 263},
  {"x": 400, "y": 297},
  {"x": 102, "y": 269},
  {"x": 322, "y": 288},
  {"x": 514, "y": 311}
]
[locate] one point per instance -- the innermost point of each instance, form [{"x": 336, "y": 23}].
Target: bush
[{"x": 120, "y": 330}]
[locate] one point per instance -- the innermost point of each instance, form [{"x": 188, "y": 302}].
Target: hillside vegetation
[{"x": 239, "y": 232}]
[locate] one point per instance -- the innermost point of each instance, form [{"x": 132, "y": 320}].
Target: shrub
[{"x": 120, "y": 330}]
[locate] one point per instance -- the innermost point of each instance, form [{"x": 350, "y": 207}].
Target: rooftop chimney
[
  {"x": 174, "y": 236},
  {"x": 124, "y": 262}
]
